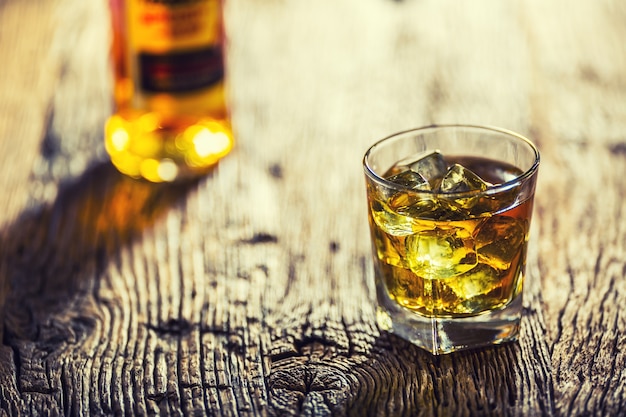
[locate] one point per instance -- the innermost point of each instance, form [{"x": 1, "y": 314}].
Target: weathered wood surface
[{"x": 250, "y": 291}]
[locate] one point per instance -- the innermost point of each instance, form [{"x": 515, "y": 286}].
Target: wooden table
[{"x": 250, "y": 292}]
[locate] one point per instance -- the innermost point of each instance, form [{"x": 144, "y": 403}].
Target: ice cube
[
  {"x": 486, "y": 205},
  {"x": 415, "y": 206},
  {"x": 441, "y": 252},
  {"x": 423, "y": 207},
  {"x": 411, "y": 291},
  {"x": 459, "y": 179},
  {"x": 424, "y": 210},
  {"x": 476, "y": 290},
  {"x": 410, "y": 179},
  {"x": 390, "y": 221},
  {"x": 405, "y": 287},
  {"x": 390, "y": 250},
  {"x": 477, "y": 281},
  {"x": 499, "y": 240},
  {"x": 431, "y": 166},
  {"x": 389, "y": 254}
]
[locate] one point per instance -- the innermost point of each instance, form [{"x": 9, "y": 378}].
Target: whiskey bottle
[{"x": 171, "y": 119}]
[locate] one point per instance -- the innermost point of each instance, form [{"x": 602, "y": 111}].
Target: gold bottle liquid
[{"x": 171, "y": 120}]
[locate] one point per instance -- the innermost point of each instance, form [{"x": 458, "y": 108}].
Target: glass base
[
  {"x": 441, "y": 335},
  {"x": 150, "y": 146}
]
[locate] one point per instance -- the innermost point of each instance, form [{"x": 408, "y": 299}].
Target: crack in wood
[
  {"x": 259, "y": 238},
  {"x": 276, "y": 171},
  {"x": 173, "y": 327},
  {"x": 618, "y": 148},
  {"x": 161, "y": 397},
  {"x": 286, "y": 355}
]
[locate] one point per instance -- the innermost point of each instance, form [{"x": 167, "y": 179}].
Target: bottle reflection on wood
[{"x": 171, "y": 118}]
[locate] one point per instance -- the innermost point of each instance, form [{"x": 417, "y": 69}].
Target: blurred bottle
[{"x": 171, "y": 118}]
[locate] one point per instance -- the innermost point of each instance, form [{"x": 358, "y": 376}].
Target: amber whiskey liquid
[
  {"x": 445, "y": 256},
  {"x": 171, "y": 117}
]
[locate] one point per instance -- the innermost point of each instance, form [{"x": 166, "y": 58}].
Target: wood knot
[{"x": 318, "y": 388}]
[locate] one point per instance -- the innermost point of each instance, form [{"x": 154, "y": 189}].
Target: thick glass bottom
[{"x": 441, "y": 335}]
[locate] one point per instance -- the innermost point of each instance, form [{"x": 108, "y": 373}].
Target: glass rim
[{"x": 492, "y": 189}]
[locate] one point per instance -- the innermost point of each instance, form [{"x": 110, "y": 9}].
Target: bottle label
[
  {"x": 177, "y": 44},
  {"x": 179, "y": 72}
]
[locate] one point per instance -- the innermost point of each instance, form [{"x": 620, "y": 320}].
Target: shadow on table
[
  {"x": 54, "y": 254},
  {"x": 411, "y": 381},
  {"x": 396, "y": 378}
]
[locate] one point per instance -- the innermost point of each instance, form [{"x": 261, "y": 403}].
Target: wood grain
[{"x": 250, "y": 291}]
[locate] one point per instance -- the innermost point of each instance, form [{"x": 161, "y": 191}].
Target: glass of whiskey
[{"x": 449, "y": 212}]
